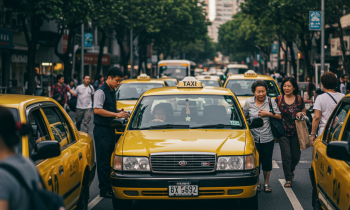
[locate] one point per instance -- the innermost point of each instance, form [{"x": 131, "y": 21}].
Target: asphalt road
[{"x": 299, "y": 197}]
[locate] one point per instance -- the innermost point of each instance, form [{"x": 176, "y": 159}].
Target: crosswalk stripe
[
  {"x": 293, "y": 199},
  {"x": 274, "y": 164},
  {"x": 94, "y": 202}
]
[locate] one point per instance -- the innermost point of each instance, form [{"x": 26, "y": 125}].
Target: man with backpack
[
  {"x": 85, "y": 93},
  {"x": 59, "y": 91}
]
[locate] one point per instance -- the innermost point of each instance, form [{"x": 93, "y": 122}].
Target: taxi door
[
  {"x": 69, "y": 167},
  {"x": 334, "y": 171},
  {"x": 49, "y": 169}
]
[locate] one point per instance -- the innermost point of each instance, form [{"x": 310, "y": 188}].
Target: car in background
[
  {"x": 236, "y": 69},
  {"x": 240, "y": 84},
  {"x": 210, "y": 80},
  {"x": 169, "y": 81}
]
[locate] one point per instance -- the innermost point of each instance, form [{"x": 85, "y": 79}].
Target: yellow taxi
[
  {"x": 241, "y": 85},
  {"x": 330, "y": 167},
  {"x": 186, "y": 142},
  {"x": 208, "y": 80},
  {"x": 63, "y": 155},
  {"x": 169, "y": 81}
]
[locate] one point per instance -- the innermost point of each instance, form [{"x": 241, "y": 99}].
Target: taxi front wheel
[
  {"x": 250, "y": 203},
  {"x": 119, "y": 204}
]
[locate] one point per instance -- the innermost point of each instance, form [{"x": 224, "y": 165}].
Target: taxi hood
[
  {"x": 128, "y": 105},
  {"x": 222, "y": 142}
]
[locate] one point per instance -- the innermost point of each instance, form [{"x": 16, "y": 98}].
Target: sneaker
[{"x": 107, "y": 195}]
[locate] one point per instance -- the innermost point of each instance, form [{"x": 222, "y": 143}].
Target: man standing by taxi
[
  {"x": 84, "y": 93},
  {"x": 105, "y": 110}
]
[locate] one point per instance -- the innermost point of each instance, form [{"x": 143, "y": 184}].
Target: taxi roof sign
[
  {"x": 143, "y": 77},
  {"x": 164, "y": 77},
  {"x": 250, "y": 73},
  {"x": 207, "y": 77},
  {"x": 190, "y": 82}
]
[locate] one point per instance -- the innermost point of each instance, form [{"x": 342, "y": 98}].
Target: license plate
[{"x": 183, "y": 189}]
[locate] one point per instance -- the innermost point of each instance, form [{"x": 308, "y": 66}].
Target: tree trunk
[
  {"x": 290, "y": 44},
  {"x": 343, "y": 50},
  {"x": 145, "y": 56},
  {"x": 100, "y": 53},
  {"x": 32, "y": 40},
  {"x": 278, "y": 57},
  {"x": 305, "y": 48},
  {"x": 140, "y": 43}
]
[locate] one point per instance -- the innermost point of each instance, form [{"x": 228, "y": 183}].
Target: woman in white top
[{"x": 325, "y": 103}]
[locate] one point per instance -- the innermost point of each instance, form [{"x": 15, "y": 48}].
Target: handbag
[
  {"x": 303, "y": 134},
  {"x": 276, "y": 125}
]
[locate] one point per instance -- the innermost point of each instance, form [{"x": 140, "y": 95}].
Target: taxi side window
[
  {"x": 39, "y": 131},
  {"x": 59, "y": 127},
  {"x": 346, "y": 133},
  {"x": 336, "y": 122}
]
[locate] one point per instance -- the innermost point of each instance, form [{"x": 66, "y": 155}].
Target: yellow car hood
[
  {"x": 127, "y": 105},
  {"x": 222, "y": 142}
]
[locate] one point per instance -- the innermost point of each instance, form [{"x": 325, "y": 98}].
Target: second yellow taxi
[
  {"x": 208, "y": 80},
  {"x": 186, "y": 142}
]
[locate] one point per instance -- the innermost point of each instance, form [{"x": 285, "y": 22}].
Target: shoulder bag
[{"x": 276, "y": 125}]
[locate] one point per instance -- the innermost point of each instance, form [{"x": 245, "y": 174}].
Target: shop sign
[
  {"x": 92, "y": 59},
  {"x": 19, "y": 58},
  {"x": 88, "y": 40},
  {"x": 6, "y": 38},
  {"x": 336, "y": 48}
]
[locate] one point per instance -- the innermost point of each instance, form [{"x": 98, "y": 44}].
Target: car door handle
[
  {"x": 329, "y": 171},
  {"x": 60, "y": 170},
  {"x": 80, "y": 156}
]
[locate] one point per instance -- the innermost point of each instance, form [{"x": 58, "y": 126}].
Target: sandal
[
  {"x": 267, "y": 188},
  {"x": 288, "y": 184},
  {"x": 259, "y": 188}
]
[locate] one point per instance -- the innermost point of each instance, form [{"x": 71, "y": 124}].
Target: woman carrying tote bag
[{"x": 292, "y": 107}]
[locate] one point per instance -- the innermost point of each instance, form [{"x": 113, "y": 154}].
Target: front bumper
[{"x": 211, "y": 186}]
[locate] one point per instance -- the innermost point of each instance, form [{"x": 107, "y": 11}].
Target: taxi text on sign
[{"x": 315, "y": 20}]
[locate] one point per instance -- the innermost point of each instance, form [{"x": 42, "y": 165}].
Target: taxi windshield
[
  {"x": 133, "y": 91},
  {"x": 187, "y": 112},
  {"x": 235, "y": 71},
  {"x": 210, "y": 83},
  {"x": 171, "y": 82},
  {"x": 177, "y": 72},
  {"x": 243, "y": 87}
]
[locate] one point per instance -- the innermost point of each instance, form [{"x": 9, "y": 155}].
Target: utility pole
[
  {"x": 322, "y": 36},
  {"x": 82, "y": 53},
  {"x": 131, "y": 55}
]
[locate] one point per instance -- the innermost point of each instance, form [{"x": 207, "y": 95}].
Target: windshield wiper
[
  {"x": 166, "y": 126},
  {"x": 215, "y": 126},
  {"x": 128, "y": 99}
]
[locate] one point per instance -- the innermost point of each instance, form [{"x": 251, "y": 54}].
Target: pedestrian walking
[
  {"x": 291, "y": 106},
  {"x": 85, "y": 93},
  {"x": 59, "y": 91},
  {"x": 12, "y": 194},
  {"x": 98, "y": 82},
  {"x": 310, "y": 91},
  {"x": 75, "y": 79},
  {"x": 72, "y": 86},
  {"x": 105, "y": 110},
  {"x": 344, "y": 79},
  {"x": 259, "y": 106},
  {"x": 325, "y": 104}
]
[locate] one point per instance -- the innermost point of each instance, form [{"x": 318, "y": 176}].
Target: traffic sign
[
  {"x": 88, "y": 40},
  {"x": 274, "y": 48},
  {"x": 315, "y": 20},
  {"x": 247, "y": 60}
]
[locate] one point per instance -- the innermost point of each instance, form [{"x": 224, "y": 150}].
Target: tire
[
  {"x": 315, "y": 201},
  {"x": 250, "y": 203},
  {"x": 119, "y": 204},
  {"x": 84, "y": 198}
]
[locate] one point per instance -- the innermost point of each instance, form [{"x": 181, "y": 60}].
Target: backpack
[
  {"x": 59, "y": 96},
  {"x": 72, "y": 103},
  {"x": 40, "y": 199}
]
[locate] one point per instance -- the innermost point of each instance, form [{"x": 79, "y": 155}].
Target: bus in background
[
  {"x": 178, "y": 69},
  {"x": 236, "y": 69}
]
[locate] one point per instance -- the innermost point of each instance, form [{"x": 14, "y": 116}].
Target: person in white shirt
[
  {"x": 325, "y": 103},
  {"x": 85, "y": 93}
]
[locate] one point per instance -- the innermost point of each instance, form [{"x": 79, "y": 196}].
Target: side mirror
[
  {"x": 46, "y": 149},
  {"x": 118, "y": 125},
  {"x": 338, "y": 150},
  {"x": 256, "y": 123}
]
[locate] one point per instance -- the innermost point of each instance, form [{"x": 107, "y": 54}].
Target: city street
[{"x": 299, "y": 197}]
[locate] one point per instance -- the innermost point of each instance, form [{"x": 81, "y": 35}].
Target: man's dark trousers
[{"x": 104, "y": 146}]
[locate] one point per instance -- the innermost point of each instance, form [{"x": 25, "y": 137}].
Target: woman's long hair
[{"x": 310, "y": 89}]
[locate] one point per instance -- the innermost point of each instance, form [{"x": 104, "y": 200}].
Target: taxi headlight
[
  {"x": 231, "y": 163},
  {"x": 135, "y": 164}
]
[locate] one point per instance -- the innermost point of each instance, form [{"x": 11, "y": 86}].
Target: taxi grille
[{"x": 183, "y": 162}]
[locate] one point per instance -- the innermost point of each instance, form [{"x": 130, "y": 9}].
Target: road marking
[
  {"x": 94, "y": 202},
  {"x": 293, "y": 199},
  {"x": 274, "y": 164},
  {"x": 302, "y": 161}
]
